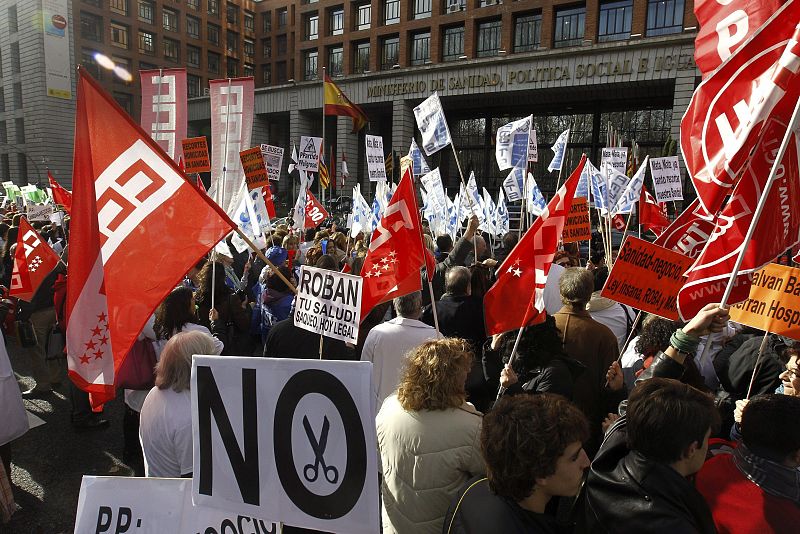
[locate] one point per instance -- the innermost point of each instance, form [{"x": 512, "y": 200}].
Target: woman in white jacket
[{"x": 429, "y": 438}]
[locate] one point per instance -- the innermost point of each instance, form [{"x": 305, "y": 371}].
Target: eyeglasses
[{"x": 791, "y": 374}]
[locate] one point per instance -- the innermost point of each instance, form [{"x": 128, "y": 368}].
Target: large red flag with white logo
[
  {"x": 60, "y": 195},
  {"x": 137, "y": 227},
  {"x": 689, "y": 232},
  {"x": 395, "y": 257},
  {"x": 33, "y": 261},
  {"x": 729, "y": 108},
  {"x": 724, "y": 26},
  {"x": 776, "y": 230},
  {"x": 517, "y": 298}
]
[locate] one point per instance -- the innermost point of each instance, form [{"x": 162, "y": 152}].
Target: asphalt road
[{"x": 49, "y": 461}]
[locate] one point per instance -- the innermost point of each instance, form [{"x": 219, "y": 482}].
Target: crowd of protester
[{"x": 604, "y": 424}]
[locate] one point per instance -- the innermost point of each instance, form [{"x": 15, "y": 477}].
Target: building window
[
  {"x": 193, "y": 56},
  {"x": 193, "y": 85},
  {"x": 266, "y": 74},
  {"x": 527, "y": 33},
  {"x": 422, "y": 9},
  {"x": 123, "y": 63},
  {"x": 489, "y": 38},
  {"x": 311, "y": 27},
  {"x": 170, "y": 18},
  {"x": 233, "y": 67},
  {"x": 193, "y": 27},
  {"x": 421, "y": 48},
  {"x": 364, "y": 17},
  {"x": 361, "y": 58},
  {"x": 125, "y": 100},
  {"x": 283, "y": 17},
  {"x": 614, "y": 23},
  {"x": 16, "y": 66},
  {"x": 453, "y": 47},
  {"x": 17, "y": 88},
  {"x": 193, "y": 4},
  {"x": 249, "y": 50},
  {"x": 281, "y": 45},
  {"x": 213, "y": 7},
  {"x": 212, "y": 33},
  {"x": 19, "y": 126},
  {"x": 249, "y": 70},
  {"x": 569, "y": 27},
  {"x": 213, "y": 62},
  {"x": 118, "y": 6},
  {"x": 336, "y": 61},
  {"x": 172, "y": 50},
  {"x": 22, "y": 165},
  {"x": 249, "y": 21},
  {"x": 91, "y": 27},
  {"x": 3, "y": 132},
  {"x": 664, "y": 17},
  {"x": 88, "y": 61},
  {"x": 266, "y": 21},
  {"x": 391, "y": 12},
  {"x": 13, "y": 23},
  {"x": 147, "y": 43},
  {"x": 336, "y": 18},
  {"x": 266, "y": 48},
  {"x": 147, "y": 66},
  {"x": 280, "y": 72},
  {"x": 390, "y": 52},
  {"x": 310, "y": 65},
  {"x": 232, "y": 42},
  {"x": 147, "y": 11},
  {"x": 119, "y": 35},
  {"x": 232, "y": 13}
]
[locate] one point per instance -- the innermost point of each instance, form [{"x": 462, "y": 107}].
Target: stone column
[
  {"x": 348, "y": 145},
  {"x": 403, "y": 124},
  {"x": 684, "y": 87}
]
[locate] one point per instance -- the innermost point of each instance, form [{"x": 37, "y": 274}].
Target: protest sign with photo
[
  {"x": 774, "y": 301},
  {"x": 195, "y": 155},
  {"x": 666, "y": 179},
  {"x": 273, "y": 158},
  {"x": 329, "y": 303},
  {"x": 647, "y": 277},
  {"x": 577, "y": 227},
  {"x": 376, "y": 164},
  {"x": 308, "y": 156},
  {"x": 292, "y": 440},
  {"x": 133, "y": 504},
  {"x": 255, "y": 173},
  {"x": 38, "y": 212}
]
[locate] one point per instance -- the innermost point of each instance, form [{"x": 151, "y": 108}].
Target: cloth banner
[
  {"x": 432, "y": 124},
  {"x": 559, "y": 149},
  {"x": 506, "y": 142},
  {"x": 164, "y": 108}
]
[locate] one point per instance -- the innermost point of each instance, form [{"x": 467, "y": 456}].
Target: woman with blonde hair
[
  {"x": 165, "y": 427},
  {"x": 429, "y": 438}
]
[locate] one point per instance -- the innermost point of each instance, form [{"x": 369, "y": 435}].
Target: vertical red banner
[{"x": 164, "y": 108}]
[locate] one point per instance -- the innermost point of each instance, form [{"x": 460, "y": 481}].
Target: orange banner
[
  {"x": 647, "y": 277},
  {"x": 577, "y": 227},
  {"x": 255, "y": 172},
  {"x": 774, "y": 301},
  {"x": 195, "y": 155}
]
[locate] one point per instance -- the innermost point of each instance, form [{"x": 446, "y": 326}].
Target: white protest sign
[
  {"x": 273, "y": 159},
  {"x": 432, "y": 182},
  {"x": 533, "y": 146},
  {"x": 308, "y": 157},
  {"x": 293, "y": 440},
  {"x": 376, "y": 165},
  {"x": 40, "y": 212},
  {"x": 154, "y": 506},
  {"x": 617, "y": 158},
  {"x": 329, "y": 303},
  {"x": 666, "y": 178}
]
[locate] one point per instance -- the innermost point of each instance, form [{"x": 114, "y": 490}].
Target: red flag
[
  {"x": 60, "y": 195},
  {"x": 396, "y": 255},
  {"x": 516, "y": 299},
  {"x": 33, "y": 261},
  {"x": 730, "y": 108},
  {"x": 651, "y": 215},
  {"x": 315, "y": 211},
  {"x": 200, "y": 186},
  {"x": 689, "y": 232},
  {"x": 776, "y": 229},
  {"x": 266, "y": 192},
  {"x": 138, "y": 226},
  {"x": 725, "y": 26},
  {"x": 618, "y": 222}
]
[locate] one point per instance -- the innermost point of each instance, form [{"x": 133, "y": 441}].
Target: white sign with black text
[
  {"x": 40, "y": 212},
  {"x": 328, "y": 303},
  {"x": 376, "y": 164},
  {"x": 615, "y": 157},
  {"x": 273, "y": 159},
  {"x": 155, "y": 505},
  {"x": 293, "y": 440},
  {"x": 308, "y": 157},
  {"x": 666, "y": 178}
]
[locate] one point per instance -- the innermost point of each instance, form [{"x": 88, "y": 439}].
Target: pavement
[{"x": 49, "y": 460}]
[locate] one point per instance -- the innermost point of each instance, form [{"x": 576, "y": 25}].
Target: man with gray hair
[
  {"x": 387, "y": 344},
  {"x": 591, "y": 343},
  {"x": 460, "y": 314}
]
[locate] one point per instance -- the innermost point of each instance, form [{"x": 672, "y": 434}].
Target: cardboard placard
[
  {"x": 273, "y": 159},
  {"x": 376, "y": 164},
  {"x": 195, "y": 155},
  {"x": 577, "y": 227},
  {"x": 666, "y": 178},
  {"x": 40, "y": 212},
  {"x": 647, "y": 277},
  {"x": 308, "y": 157},
  {"x": 774, "y": 301},
  {"x": 615, "y": 157},
  {"x": 329, "y": 303},
  {"x": 255, "y": 172}
]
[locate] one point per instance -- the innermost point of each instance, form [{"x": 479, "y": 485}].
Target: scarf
[{"x": 772, "y": 477}]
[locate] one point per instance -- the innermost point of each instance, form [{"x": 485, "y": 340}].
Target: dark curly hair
[
  {"x": 524, "y": 436},
  {"x": 540, "y": 343},
  {"x": 174, "y": 313},
  {"x": 655, "y": 335},
  {"x": 204, "y": 281}
]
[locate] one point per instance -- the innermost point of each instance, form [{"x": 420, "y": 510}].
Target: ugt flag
[{"x": 137, "y": 227}]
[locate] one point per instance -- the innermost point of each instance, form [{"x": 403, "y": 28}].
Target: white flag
[
  {"x": 511, "y": 147},
  {"x": 536, "y": 202},
  {"x": 513, "y": 184},
  {"x": 630, "y": 196},
  {"x": 559, "y": 149},
  {"x": 419, "y": 165},
  {"x": 294, "y": 159},
  {"x": 432, "y": 124},
  {"x": 502, "y": 221}
]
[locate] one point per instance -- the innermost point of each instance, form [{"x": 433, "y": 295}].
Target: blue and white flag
[
  {"x": 630, "y": 196},
  {"x": 514, "y": 184},
  {"x": 244, "y": 217},
  {"x": 299, "y": 211},
  {"x": 432, "y": 125},
  {"x": 462, "y": 203},
  {"x": 474, "y": 200},
  {"x": 419, "y": 165},
  {"x": 362, "y": 218},
  {"x": 536, "y": 201},
  {"x": 502, "y": 222},
  {"x": 616, "y": 183},
  {"x": 598, "y": 184},
  {"x": 452, "y": 217},
  {"x": 511, "y": 146},
  {"x": 559, "y": 149}
]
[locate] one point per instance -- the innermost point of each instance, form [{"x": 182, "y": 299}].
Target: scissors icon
[{"x": 330, "y": 472}]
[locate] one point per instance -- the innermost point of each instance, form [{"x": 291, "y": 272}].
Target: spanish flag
[{"x": 336, "y": 103}]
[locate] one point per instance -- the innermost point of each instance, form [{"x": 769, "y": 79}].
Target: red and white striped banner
[{"x": 164, "y": 110}]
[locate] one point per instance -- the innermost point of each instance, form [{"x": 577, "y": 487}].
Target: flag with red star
[
  {"x": 516, "y": 299},
  {"x": 138, "y": 226},
  {"x": 395, "y": 257},
  {"x": 34, "y": 259}
]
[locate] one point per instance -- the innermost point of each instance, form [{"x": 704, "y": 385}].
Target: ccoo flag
[{"x": 33, "y": 261}]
